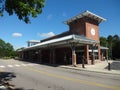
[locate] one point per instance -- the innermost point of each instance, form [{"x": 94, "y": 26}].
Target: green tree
[
  {"x": 113, "y": 43},
  {"x": 116, "y": 47},
  {"x": 2, "y": 48},
  {"x": 103, "y": 41},
  {"x": 24, "y": 9},
  {"x": 6, "y": 49},
  {"x": 116, "y": 38},
  {"x": 110, "y": 43}
]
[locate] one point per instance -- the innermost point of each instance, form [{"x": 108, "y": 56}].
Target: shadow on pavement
[{"x": 5, "y": 77}]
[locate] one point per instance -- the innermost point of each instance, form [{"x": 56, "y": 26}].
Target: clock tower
[
  {"x": 92, "y": 31},
  {"x": 87, "y": 24}
]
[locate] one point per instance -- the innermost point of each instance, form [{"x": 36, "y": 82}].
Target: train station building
[{"x": 80, "y": 44}]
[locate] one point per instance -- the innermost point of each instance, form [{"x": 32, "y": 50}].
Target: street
[{"x": 32, "y": 76}]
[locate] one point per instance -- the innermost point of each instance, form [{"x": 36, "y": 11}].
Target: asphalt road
[{"x": 31, "y": 76}]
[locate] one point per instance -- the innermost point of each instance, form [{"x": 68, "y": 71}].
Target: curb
[{"x": 90, "y": 70}]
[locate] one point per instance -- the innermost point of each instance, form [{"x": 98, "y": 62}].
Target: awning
[
  {"x": 103, "y": 48},
  {"x": 78, "y": 39}
]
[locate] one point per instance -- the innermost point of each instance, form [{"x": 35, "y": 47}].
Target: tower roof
[{"x": 87, "y": 14}]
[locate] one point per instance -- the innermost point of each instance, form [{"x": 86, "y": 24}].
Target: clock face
[{"x": 92, "y": 31}]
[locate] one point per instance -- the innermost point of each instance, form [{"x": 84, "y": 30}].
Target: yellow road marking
[{"x": 73, "y": 79}]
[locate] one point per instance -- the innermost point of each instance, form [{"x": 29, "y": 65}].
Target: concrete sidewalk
[{"x": 101, "y": 67}]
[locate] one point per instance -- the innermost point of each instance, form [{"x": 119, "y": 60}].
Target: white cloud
[
  {"x": 17, "y": 34},
  {"x": 49, "y": 16},
  {"x": 49, "y": 34}
]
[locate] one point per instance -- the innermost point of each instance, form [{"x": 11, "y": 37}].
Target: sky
[{"x": 50, "y": 22}]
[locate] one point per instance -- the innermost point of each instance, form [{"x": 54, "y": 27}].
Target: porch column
[
  {"x": 53, "y": 61},
  {"x": 52, "y": 55},
  {"x": 86, "y": 54},
  {"x": 101, "y": 55},
  {"x": 22, "y": 55},
  {"x": 73, "y": 56},
  {"x": 99, "y": 52},
  {"x": 40, "y": 55},
  {"x": 93, "y": 59},
  {"x": 50, "y": 59}
]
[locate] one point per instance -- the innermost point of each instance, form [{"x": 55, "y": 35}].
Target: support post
[
  {"x": 73, "y": 56},
  {"x": 40, "y": 53},
  {"x": 52, "y": 55},
  {"x": 109, "y": 67},
  {"x": 50, "y": 59},
  {"x": 86, "y": 53},
  {"x": 83, "y": 63},
  {"x": 22, "y": 55},
  {"x": 93, "y": 60}
]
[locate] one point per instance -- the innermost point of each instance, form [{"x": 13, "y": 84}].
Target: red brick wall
[
  {"x": 96, "y": 37},
  {"x": 83, "y": 26},
  {"x": 89, "y": 26},
  {"x": 77, "y": 27}
]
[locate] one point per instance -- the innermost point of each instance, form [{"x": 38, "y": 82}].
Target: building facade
[{"x": 80, "y": 44}]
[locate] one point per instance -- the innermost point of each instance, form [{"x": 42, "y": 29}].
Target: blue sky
[{"x": 50, "y": 22}]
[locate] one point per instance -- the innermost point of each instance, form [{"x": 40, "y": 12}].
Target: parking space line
[
  {"x": 10, "y": 66},
  {"x": 17, "y": 65},
  {"x": 2, "y": 66},
  {"x": 23, "y": 64}
]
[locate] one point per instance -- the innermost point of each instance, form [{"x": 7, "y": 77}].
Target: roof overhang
[
  {"x": 88, "y": 14},
  {"x": 36, "y": 41},
  {"x": 66, "y": 40},
  {"x": 103, "y": 48}
]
